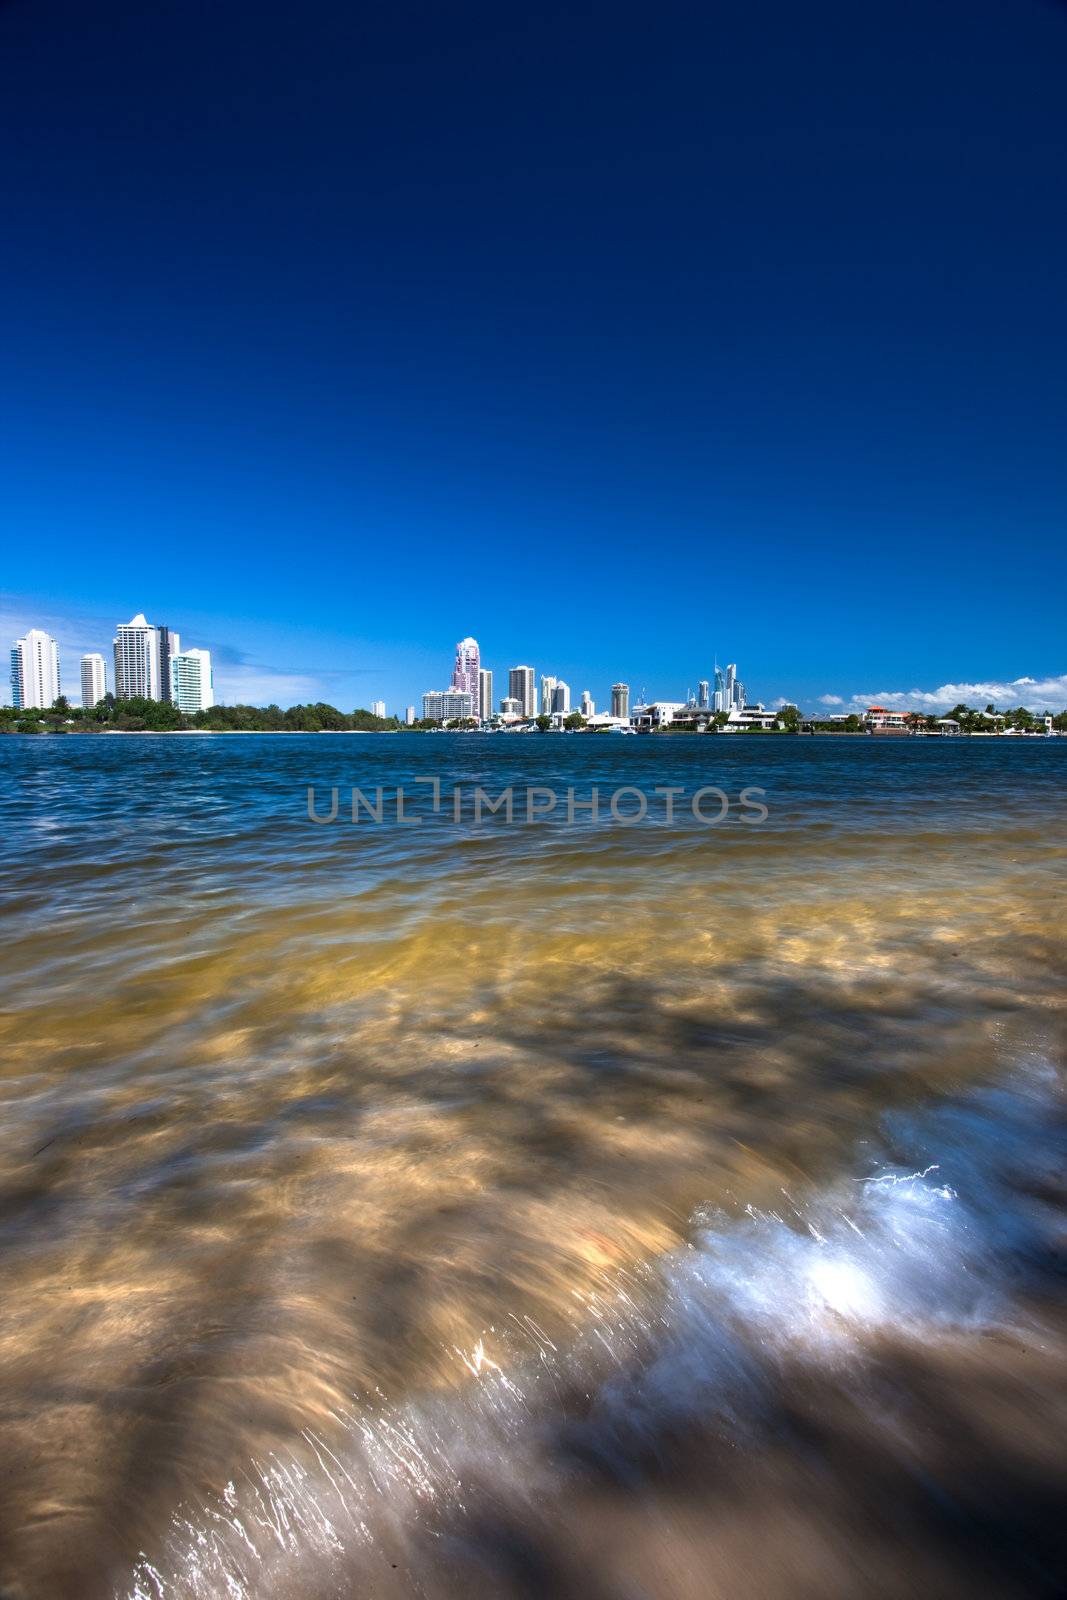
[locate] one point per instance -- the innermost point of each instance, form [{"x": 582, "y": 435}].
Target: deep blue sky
[{"x": 616, "y": 335}]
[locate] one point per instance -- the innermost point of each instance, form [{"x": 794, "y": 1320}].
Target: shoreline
[{"x": 375, "y": 733}]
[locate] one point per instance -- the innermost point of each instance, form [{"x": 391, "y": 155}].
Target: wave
[{"x": 946, "y": 1230}]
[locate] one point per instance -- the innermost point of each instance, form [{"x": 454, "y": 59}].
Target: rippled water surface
[{"x": 511, "y": 1210}]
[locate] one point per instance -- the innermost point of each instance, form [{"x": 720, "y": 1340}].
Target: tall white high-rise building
[
  {"x": 94, "y": 680},
  {"x": 522, "y": 686},
  {"x": 409, "y": 715},
  {"x": 561, "y": 697},
  {"x": 192, "y": 687},
  {"x": 136, "y": 645},
  {"x": 34, "y": 671},
  {"x": 378, "y": 708},
  {"x": 588, "y": 704},
  {"x": 485, "y": 694},
  {"x": 548, "y": 689},
  {"x": 704, "y": 695},
  {"x": 468, "y": 665},
  {"x": 620, "y": 699}
]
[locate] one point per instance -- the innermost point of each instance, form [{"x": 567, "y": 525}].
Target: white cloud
[
  {"x": 251, "y": 685},
  {"x": 1039, "y": 694},
  {"x": 831, "y": 700}
]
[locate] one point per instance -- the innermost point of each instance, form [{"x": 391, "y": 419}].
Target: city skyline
[
  {"x": 147, "y": 662},
  {"x": 1047, "y": 691},
  {"x": 151, "y": 665}
]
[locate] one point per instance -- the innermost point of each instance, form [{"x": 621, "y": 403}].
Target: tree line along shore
[
  {"x": 111, "y": 715},
  {"x": 159, "y": 716}
]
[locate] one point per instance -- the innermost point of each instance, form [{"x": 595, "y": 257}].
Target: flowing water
[{"x": 505, "y": 1209}]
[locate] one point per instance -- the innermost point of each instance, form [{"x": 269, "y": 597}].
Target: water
[{"x": 508, "y": 1210}]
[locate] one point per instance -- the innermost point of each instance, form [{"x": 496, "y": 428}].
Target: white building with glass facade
[
  {"x": 136, "y": 646},
  {"x": 34, "y": 671},
  {"x": 191, "y": 684}
]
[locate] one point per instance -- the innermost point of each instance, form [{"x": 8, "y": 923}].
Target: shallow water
[{"x": 530, "y": 1209}]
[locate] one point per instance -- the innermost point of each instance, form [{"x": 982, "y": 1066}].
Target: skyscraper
[
  {"x": 729, "y": 690},
  {"x": 561, "y": 697},
  {"x": 192, "y": 687},
  {"x": 136, "y": 646},
  {"x": 465, "y": 672},
  {"x": 522, "y": 686},
  {"x": 409, "y": 715},
  {"x": 378, "y": 708},
  {"x": 94, "y": 680},
  {"x": 170, "y": 642},
  {"x": 620, "y": 699},
  {"x": 703, "y": 695},
  {"x": 485, "y": 694},
  {"x": 548, "y": 689},
  {"x": 588, "y": 704},
  {"x": 34, "y": 671}
]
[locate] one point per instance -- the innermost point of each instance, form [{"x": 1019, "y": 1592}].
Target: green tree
[
  {"x": 367, "y": 722},
  {"x": 575, "y": 720},
  {"x": 544, "y": 722},
  {"x": 968, "y": 719},
  {"x": 329, "y": 717},
  {"x": 158, "y": 716}
]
